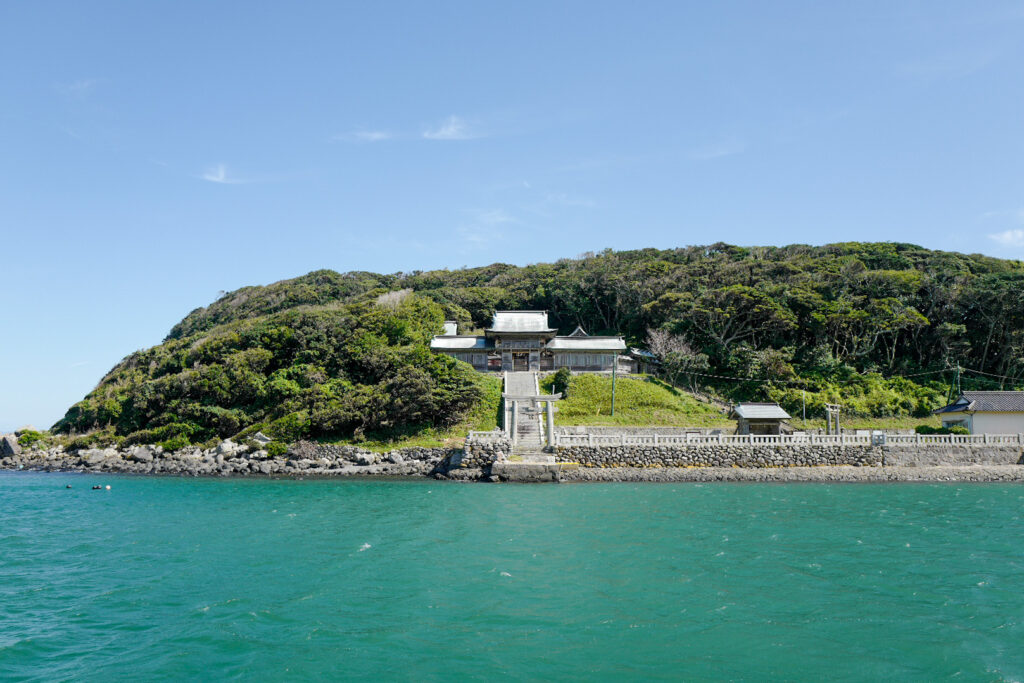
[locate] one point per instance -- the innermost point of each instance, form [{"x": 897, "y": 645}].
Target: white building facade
[{"x": 986, "y": 412}]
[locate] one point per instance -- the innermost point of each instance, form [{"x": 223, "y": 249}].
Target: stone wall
[
  {"x": 720, "y": 455},
  {"x": 940, "y": 454},
  {"x": 790, "y": 455},
  {"x": 481, "y": 453}
]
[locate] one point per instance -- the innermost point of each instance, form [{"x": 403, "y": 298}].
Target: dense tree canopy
[
  {"x": 337, "y": 370},
  {"x": 326, "y": 354}
]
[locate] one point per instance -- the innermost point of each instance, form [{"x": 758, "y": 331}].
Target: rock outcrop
[
  {"x": 9, "y": 445},
  {"x": 230, "y": 459}
]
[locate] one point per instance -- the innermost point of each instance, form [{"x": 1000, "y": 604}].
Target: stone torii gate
[{"x": 548, "y": 400}]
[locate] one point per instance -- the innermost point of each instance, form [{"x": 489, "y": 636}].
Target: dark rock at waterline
[{"x": 9, "y": 445}]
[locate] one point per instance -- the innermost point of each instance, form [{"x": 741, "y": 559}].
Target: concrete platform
[{"x": 527, "y": 472}]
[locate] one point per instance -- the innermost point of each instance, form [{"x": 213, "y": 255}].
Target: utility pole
[
  {"x": 954, "y": 386},
  {"x": 803, "y": 399},
  {"x": 615, "y": 372}
]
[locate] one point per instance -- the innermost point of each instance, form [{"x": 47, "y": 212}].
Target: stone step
[{"x": 526, "y": 472}]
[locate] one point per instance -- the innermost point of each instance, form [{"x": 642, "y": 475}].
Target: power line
[
  {"x": 918, "y": 374},
  {"x": 765, "y": 380},
  {"x": 805, "y": 382},
  {"x": 990, "y": 374}
]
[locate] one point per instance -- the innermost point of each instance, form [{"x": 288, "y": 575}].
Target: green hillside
[
  {"x": 876, "y": 327},
  {"x": 359, "y": 370}
]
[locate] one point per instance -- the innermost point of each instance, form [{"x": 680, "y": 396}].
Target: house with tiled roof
[{"x": 986, "y": 412}]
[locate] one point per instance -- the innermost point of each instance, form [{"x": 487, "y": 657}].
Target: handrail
[
  {"x": 487, "y": 436},
  {"x": 592, "y": 439}
]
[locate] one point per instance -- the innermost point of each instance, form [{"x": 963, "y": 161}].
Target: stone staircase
[
  {"x": 529, "y": 442},
  {"x": 528, "y": 462},
  {"x": 528, "y": 434}
]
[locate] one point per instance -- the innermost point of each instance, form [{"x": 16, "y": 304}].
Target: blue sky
[{"x": 153, "y": 154}]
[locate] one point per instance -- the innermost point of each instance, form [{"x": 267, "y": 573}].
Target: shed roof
[
  {"x": 520, "y": 321},
  {"x": 587, "y": 344},
  {"x": 987, "y": 402},
  {"x": 760, "y": 411},
  {"x": 458, "y": 343}
]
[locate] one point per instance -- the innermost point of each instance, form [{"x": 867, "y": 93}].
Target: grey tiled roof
[
  {"x": 760, "y": 411},
  {"x": 450, "y": 343},
  {"x": 587, "y": 344},
  {"x": 520, "y": 321},
  {"x": 987, "y": 402}
]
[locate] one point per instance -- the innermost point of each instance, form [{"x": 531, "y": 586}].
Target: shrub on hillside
[
  {"x": 276, "y": 449},
  {"x": 928, "y": 429},
  {"x": 560, "y": 382},
  {"x": 29, "y": 437},
  {"x": 175, "y": 443}
]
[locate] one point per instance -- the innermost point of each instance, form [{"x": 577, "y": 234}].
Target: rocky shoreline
[
  {"x": 236, "y": 460},
  {"x": 307, "y": 460}
]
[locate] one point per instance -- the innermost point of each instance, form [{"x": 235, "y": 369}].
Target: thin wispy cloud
[
  {"x": 563, "y": 199},
  {"x": 476, "y": 235},
  {"x": 717, "y": 150},
  {"x": 364, "y": 136},
  {"x": 484, "y": 230},
  {"x": 71, "y": 133},
  {"x": 452, "y": 128},
  {"x": 219, "y": 174},
  {"x": 495, "y": 217},
  {"x": 1009, "y": 238},
  {"x": 79, "y": 88},
  {"x": 1016, "y": 214}
]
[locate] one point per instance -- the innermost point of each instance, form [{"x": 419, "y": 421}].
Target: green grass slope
[{"x": 638, "y": 401}]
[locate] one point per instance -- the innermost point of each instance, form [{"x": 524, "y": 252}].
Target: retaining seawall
[{"x": 788, "y": 455}]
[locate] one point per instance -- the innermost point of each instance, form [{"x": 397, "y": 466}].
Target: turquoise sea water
[{"x": 176, "y": 579}]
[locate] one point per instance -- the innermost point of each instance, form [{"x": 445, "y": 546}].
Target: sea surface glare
[{"x": 205, "y": 579}]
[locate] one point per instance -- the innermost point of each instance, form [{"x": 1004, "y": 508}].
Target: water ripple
[{"x": 192, "y": 579}]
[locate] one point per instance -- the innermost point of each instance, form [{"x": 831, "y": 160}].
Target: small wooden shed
[{"x": 760, "y": 418}]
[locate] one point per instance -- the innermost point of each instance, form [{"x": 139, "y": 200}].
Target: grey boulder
[
  {"x": 366, "y": 458},
  {"x": 143, "y": 454}
]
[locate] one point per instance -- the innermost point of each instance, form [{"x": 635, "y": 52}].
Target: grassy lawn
[
  {"x": 644, "y": 401},
  {"x": 850, "y": 422},
  {"x": 638, "y": 401}
]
